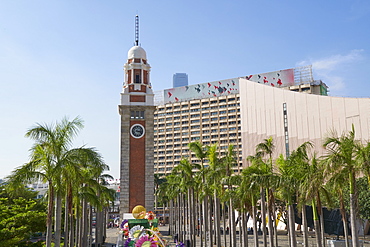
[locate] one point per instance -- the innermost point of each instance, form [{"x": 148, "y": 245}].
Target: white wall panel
[{"x": 310, "y": 117}]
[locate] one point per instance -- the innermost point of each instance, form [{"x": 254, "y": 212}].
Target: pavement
[{"x": 112, "y": 235}]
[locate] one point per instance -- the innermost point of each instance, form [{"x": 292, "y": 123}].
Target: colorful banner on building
[{"x": 281, "y": 78}]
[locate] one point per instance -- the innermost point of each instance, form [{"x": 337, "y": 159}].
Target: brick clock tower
[{"x": 137, "y": 131}]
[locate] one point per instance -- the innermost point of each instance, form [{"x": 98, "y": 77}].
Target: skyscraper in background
[{"x": 180, "y": 79}]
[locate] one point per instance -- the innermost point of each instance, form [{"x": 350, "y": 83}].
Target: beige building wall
[{"x": 310, "y": 117}]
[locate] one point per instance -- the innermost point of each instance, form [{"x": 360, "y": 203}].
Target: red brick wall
[
  {"x": 137, "y": 170},
  {"x": 137, "y": 98}
]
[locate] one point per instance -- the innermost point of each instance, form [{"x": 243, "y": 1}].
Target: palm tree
[
  {"x": 291, "y": 172},
  {"x": 201, "y": 153},
  {"x": 265, "y": 177},
  {"x": 51, "y": 143},
  {"x": 341, "y": 157},
  {"x": 243, "y": 197},
  {"x": 266, "y": 148},
  {"x": 87, "y": 187},
  {"x": 215, "y": 175},
  {"x": 311, "y": 178},
  {"x": 336, "y": 183},
  {"x": 186, "y": 175},
  {"x": 227, "y": 162},
  {"x": 250, "y": 188},
  {"x": 53, "y": 162}
]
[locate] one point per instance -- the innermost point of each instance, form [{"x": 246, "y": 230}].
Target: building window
[
  {"x": 137, "y": 114},
  {"x": 137, "y": 78}
]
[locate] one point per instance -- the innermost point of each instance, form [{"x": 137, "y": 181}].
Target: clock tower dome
[{"x": 137, "y": 131}]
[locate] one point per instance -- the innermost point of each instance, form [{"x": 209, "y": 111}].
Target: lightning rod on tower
[{"x": 137, "y": 30}]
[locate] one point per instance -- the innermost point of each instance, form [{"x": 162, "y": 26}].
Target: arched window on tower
[
  {"x": 137, "y": 76},
  {"x": 137, "y": 79}
]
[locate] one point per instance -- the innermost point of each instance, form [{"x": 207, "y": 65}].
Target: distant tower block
[
  {"x": 180, "y": 79},
  {"x": 137, "y": 131}
]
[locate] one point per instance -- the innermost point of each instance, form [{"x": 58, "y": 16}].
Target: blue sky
[{"x": 65, "y": 58}]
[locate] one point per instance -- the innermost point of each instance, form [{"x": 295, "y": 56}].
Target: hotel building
[{"x": 211, "y": 113}]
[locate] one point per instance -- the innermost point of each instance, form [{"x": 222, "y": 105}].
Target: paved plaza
[{"x": 112, "y": 235}]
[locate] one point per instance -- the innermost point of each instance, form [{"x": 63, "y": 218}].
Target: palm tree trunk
[
  {"x": 84, "y": 223},
  {"x": 322, "y": 226},
  {"x": 77, "y": 227},
  {"x": 194, "y": 223},
  {"x": 354, "y": 233},
  {"x": 177, "y": 218},
  {"x": 304, "y": 225},
  {"x": 232, "y": 222},
  {"x": 240, "y": 230},
  {"x": 66, "y": 224},
  {"x": 98, "y": 239},
  {"x": 89, "y": 225},
  {"x": 71, "y": 230},
  {"x": 344, "y": 218},
  {"x": 293, "y": 242},
  {"x": 201, "y": 223},
  {"x": 210, "y": 213},
  {"x": 217, "y": 220},
  {"x": 185, "y": 219},
  {"x": 172, "y": 220},
  {"x": 58, "y": 220},
  {"x": 244, "y": 229},
  {"x": 263, "y": 216},
  {"x": 255, "y": 228},
  {"x": 105, "y": 222},
  {"x": 275, "y": 224},
  {"x": 49, "y": 221},
  {"x": 206, "y": 223},
  {"x": 321, "y": 217},
  {"x": 316, "y": 224},
  {"x": 191, "y": 215},
  {"x": 224, "y": 222},
  {"x": 270, "y": 219}
]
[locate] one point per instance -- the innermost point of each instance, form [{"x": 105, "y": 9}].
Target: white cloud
[
  {"x": 333, "y": 62},
  {"x": 331, "y": 69}
]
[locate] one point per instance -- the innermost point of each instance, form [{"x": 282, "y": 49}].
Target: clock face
[{"x": 137, "y": 131}]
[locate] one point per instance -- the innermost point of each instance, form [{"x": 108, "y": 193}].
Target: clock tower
[{"x": 137, "y": 131}]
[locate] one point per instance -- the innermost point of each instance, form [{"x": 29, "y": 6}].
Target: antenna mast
[{"x": 137, "y": 30}]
